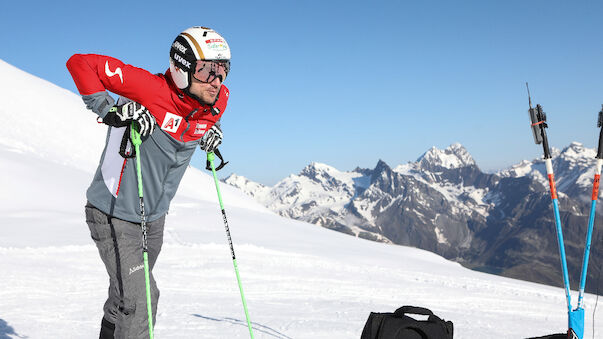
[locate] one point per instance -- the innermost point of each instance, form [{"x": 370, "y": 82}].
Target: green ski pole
[
  {"x": 210, "y": 158},
  {"x": 136, "y": 141}
]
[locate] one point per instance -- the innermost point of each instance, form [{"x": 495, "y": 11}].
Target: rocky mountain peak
[
  {"x": 236, "y": 180},
  {"x": 250, "y": 187},
  {"x": 381, "y": 166},
  {"x": 363, "y": 171},
  {"x": 317, "y": 170},
  {"x": 576, "y": 150},
  {"x": 454, "y": 156}
]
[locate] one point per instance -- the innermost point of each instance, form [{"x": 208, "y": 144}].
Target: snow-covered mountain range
[
  {"x": 300, "y": 281},
  {"x": 444, "y": 203}
]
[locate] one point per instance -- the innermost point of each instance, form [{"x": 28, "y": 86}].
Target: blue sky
[{"x": 347, "y": 82}]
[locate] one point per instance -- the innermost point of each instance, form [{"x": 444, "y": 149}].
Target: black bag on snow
[
  {"x": 554, "y": 336},
  {"x": 398, "y": 325}
]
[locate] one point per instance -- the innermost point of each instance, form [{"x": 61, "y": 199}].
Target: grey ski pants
[{"x": 119, "y": 244}]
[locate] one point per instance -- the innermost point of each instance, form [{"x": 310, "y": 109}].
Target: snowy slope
[
  {"x": 301, "y": 281},
  {"x": 45, "y": 119}
]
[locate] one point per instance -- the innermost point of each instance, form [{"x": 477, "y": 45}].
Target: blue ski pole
[
  {"x": 577, "y": 315},
  {"x": 593, "y": 205},
  {"x": 538, "y": 118}
]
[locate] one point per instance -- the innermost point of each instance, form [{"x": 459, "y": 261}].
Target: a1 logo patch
[{"x": 171, "y": 122}]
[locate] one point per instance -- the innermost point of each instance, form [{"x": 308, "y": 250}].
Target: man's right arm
[{"x": 95, "y": 74}]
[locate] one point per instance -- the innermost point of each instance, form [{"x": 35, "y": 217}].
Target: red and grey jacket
[{"x": 165, "y": 155}]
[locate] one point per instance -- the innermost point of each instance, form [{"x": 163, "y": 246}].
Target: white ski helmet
[{"x": 195, "y": 43}]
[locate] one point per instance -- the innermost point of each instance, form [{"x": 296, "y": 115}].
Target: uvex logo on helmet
[
  {"x": 183, "y": 62},
  {"x": 181, "y": 54},
  {"x": 177, "y": 45}
]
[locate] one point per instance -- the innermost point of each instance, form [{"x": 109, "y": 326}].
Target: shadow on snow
[
  {"x": 255, "y": 326},
  {"x": 6, "y": 329}
]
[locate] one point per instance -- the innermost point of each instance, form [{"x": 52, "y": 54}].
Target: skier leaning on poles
[{"x": 186, "y": 103}]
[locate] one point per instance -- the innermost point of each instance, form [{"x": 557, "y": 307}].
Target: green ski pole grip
[{"x": 136, "y": 141}]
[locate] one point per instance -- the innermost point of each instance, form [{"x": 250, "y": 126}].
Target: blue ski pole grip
[{"x": 576, "y": 321}]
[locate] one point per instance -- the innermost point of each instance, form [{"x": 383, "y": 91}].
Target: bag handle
[{"x": 412, "y": 310}]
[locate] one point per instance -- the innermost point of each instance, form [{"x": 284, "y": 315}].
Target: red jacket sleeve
[{"x": 94, "y": 73}]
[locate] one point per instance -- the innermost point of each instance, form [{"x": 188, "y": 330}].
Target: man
[{"x": 186, "y": 102}]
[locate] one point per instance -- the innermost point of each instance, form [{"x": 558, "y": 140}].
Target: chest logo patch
[{"x": 171, "y": 122}]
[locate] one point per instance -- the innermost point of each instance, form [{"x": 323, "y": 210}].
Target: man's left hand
[{"x": 212, "y": 139}]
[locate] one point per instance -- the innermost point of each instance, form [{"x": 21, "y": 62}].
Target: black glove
[
  {"x": 212, "y": 139},
  {"x": 123, "y": 115}
]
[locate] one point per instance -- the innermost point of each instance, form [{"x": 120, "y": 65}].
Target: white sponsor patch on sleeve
[
  {"x": 110, "y": 73},
  {"x": 200, "y": 128}
]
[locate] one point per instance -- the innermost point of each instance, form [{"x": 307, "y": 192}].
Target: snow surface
[{"x": 300, "y": 280}]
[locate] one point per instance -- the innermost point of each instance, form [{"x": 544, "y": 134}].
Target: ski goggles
[{"x": 208, "y": 70}]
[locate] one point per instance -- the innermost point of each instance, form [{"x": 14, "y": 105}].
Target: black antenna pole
[{"x": 529, "y": 97}]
